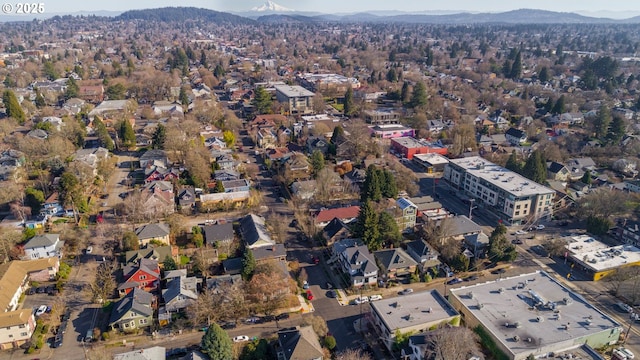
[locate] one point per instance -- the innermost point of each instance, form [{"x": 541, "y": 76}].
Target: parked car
[
  {"x": 331, "y": 294},
  {"x": 228, "y": 325},
  {"x": 241, "y": 338},
  {"x": 521, "y": 232},
  {"x": 406, "y": 291},
  {"x": 454, "y": 281},
  {"x": 305, "y": 285},
  {"x": 624, "y": 307},
  {"x": 361, "y": 300},
  {"x": 540, "y": 227},
  {"x": 516, "y": 241},
  {"x": 42, "y": 309},
  {"x": 499, "y": 271},
  {"x": 309, "y": 295},
  {"x": 282, "y": 316},
  {"x": 471, "y": 278},
  {"x": 375, "y": 297},
  {"x": 89, "y": 249},
  {"x": 253, "y": 319}
]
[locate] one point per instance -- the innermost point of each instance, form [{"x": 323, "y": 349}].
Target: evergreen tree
[
  {"x": 499, "y": 247},
  {"x": 558, "y": 108},
  {"x": 548, "y": 106},
  {"x": 586, "y": 178},
  {"x": 543, "y": 76},
  {"x": 338, "y": 134},
  {"x": 159, "y": 137},
  {"x": 116, "y": 92},
  {"x": 49, "y": 71},
  {"x": 184, "y": 98},
  {"x": 103, "y": 134},
  {"x": 72, "y": 89},
  {"x": 216, "y": 343},
  {"x": 169, "y": 264},
  {"x": 601, "y": 122},
  {"x": 127, "y": 134},
  {"x": 392, "y": 76},
  {"x": 372, "y": 188},
  {"x": 535, "y": 168},
  {"x": 40, "y": 102},
  {"x": 317, "y": 162},
  {"x": 388, "y": 184},
  {"x": 404, "y": 93},
  {"x": 388, "y": 228},
  {"x": 262, "y": 101},
  {"x": 203, "y": 59},
  {"x": 516, "y": 67},
  {"x": 12, "y": 106},
  {"x": 248, "y": 265},
  {"x": 219, "y": 71},
  {"x": 513, "y": 164},
  {"x": 229, "y": 138},
  {"x": 418, "y": 96},
  {"x": 506, "y": 68},
  {"x": 349, "y": 108},
  {"x": 366, "y": 227},
  {"x": 617, "y": 130}
]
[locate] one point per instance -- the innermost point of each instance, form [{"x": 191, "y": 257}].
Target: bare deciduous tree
[
  {"x": 104, "y": 284},
  {"x": 353, "y": 354},
  {"x": 318, "y": 324},
  {"x": 452, "y": 343}
]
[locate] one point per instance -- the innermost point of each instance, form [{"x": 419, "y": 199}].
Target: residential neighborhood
[{"x": 188, "y": 183}]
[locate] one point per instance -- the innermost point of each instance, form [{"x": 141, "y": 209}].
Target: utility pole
[{"x": 471, "y": 207}]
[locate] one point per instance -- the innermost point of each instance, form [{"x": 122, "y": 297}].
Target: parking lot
[{"x": 40, "y": 296}]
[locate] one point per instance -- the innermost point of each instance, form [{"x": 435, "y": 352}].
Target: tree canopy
[
  {"x": 12, "y": 106},
  {"x": 216, "y": 343}
]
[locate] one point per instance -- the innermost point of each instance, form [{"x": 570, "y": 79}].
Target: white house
[{"x": 44, "y": 246}]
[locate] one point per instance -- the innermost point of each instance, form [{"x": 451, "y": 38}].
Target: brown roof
[
  {"x": 15, "y": 318},
  {"x": 340, "y": 213},
  {"x": 40, "y": 264},
  {"x": 12, "y": 275}
]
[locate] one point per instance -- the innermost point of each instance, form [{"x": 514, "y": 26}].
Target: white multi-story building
[{"x": 510, "y": 196}]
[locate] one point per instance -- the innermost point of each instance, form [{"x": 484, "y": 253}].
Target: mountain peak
[{"x": 271, "y": 6}]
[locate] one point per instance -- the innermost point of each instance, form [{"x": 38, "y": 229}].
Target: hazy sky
[{"x": 336, "y": 6}]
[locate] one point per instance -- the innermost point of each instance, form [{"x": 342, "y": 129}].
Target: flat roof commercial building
[
  {"x": 597, "y": 259},
  {"x": 533, "y": 314},
  {"x": 408, "y": 147},
  {"x": 299, "y": 99},
  {"x": 509, "y": 195},
  {"x": 414, "y": 313},
  {"x": 431, "y": 162}
]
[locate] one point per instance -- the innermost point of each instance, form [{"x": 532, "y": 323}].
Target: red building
[
  {"x": 145, "y": 276},
  {"x": 408, "y": 146}
]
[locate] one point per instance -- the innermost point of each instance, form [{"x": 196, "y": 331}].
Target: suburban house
[
  {"x": 44, "y": 246},
  {"x": 134, "y": 311},
  {"x": 145, "y": 275},
  {"x": 41, "y": 270},
  {"x": 225, "y": 161},
  {"x": 394, "y": 263},
  {"x": 346, "y": 214},
  {"x": 423, "y": 254},
  {"x": 458, "y": 227},
  {"x": 181, "y": 291},
  {"x": 153, "y": 232},
  {"x": 304, "y": 189},
  {"x": 254, "y": 233},
  {"x": 406, "y": 214},
  {"x": 187, "y": 199},
  {"x": 150, "y": 252},
  {"x": 226, "y": 175},
  {"x": 516, "y": 136},
  {"x": 154, "y": 157},
  {"x": 360, "y": 265},
  {"x": 158, "y": 198},
  {"x": 413, "y": 313},
  {"x": 236, "y": 185},
  {"x": 318, "y": 143},
  {"x": 381, "y": 116},
  {"x": 265, "y": 253},
  {"x": 336, "y": 230},
  {"x": 299, "y": 343},
  {"x": 218, "y": 233},
  {"x": 298, "y": 99},
  {"x": 557, "y": 171},
  {"x": 419, "y": 345},
  {"x": 16, "y": 328}
]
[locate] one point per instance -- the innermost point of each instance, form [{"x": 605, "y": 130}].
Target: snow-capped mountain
[{"x": 270, "y": 6}]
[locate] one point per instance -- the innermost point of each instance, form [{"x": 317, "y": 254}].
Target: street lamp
[{"x": 471, "y": 207}]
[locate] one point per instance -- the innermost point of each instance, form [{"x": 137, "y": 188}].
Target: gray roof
[
  {"x": 149, "y": 266},
  {"x": 461, "y": 225},
  {"x": 534, "y": 301},
  {"x": 420, "y": 250},
  {"x": 136, "y": 300},
  {"x": 152, "y": 353},
  {"x": 254, "y": 231},
  {"x": 300, "y": 343},
  {"x": 43, "y": 240},
  {"x": 218, "y": 232},
  {"x": 151, "y": 231},
  {"x": 154, "y": 155},
  {"x": 154, "y": 253},
  {"x": 412, "y": 310},
  {"x": 393, "y": 259},
  {"x": 185, "y": 286},
  {"x": 232, "y": 266},
  {"x": 269, "y": 252},
  {"x": 293, "y": 91},
  {"x": 360, "y": 260}
]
